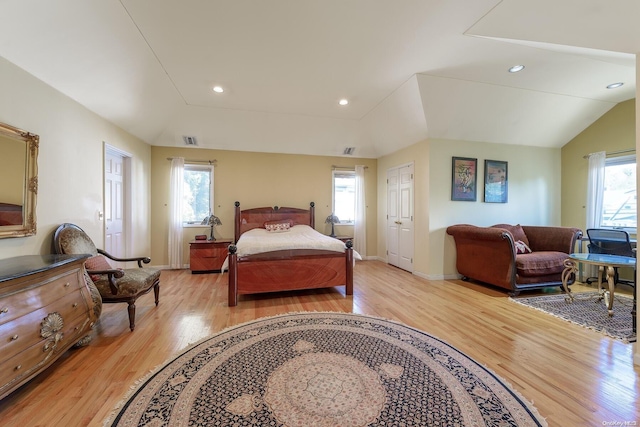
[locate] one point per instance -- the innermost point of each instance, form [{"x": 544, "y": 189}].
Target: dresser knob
[
  {"x": 17, "y": 368},
  {"x": 13, "y": 338},
  {"x": 5, "y": 310},
  {"x": 66, "y": 285},
  {"x": 75, "y": 304}
]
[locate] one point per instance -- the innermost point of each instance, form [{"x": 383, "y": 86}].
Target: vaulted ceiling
[{"x": 411, "y": 69}]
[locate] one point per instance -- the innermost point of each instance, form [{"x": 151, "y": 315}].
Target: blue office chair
[{"x": 611, "y": 242}]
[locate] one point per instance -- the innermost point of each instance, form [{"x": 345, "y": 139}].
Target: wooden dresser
[
  {"x": 207, "y": 256},
  {"x": 46, "y": 307}
]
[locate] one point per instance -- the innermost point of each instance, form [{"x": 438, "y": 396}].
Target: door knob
[{"x": 398, "y": 222}]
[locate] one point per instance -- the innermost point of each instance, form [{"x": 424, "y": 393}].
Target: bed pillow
[{"x": 278, "y": 226}]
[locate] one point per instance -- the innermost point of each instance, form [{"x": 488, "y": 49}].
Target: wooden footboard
[
  {"x": 289, "y": 270},
  {"x": 285, "y": 270}
]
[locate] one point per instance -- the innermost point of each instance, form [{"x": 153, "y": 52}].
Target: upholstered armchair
[{"x": 115, "y": 285}]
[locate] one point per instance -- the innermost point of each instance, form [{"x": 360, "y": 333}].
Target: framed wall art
[
  {"x": 464, "y": 173},
  {"x": 496, "y": 181}
]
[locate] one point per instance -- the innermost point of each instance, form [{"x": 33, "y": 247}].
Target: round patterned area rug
[{"x": 323, "y": 369}]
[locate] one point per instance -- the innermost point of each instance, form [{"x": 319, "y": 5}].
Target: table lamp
[
  {"x": 213, "y": 221},
  {"x": 332, "y": 219}
]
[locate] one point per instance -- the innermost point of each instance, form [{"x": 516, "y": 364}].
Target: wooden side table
[
  {"x": 207, "y": 256},
  {"x": 606, "y": 265}
]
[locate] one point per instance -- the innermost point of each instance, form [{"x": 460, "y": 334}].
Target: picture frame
[
  {"x": 496, "y": 181},
  {"x": 464, "y": 179}
]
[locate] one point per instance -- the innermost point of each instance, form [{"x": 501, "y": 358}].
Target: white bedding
[{"x": 260, "y": 240}]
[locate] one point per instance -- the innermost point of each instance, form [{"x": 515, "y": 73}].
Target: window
[
  {"x": 344, "y": 196},
  {"x": 197, "y": 201},
  {"x": 619, "y": 200}
]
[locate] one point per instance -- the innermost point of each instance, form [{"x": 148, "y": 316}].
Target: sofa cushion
[
  {"x": 516, "y": 231},
  {"x": 540, "y": 263},
  {"x": 134, "y": 281}
]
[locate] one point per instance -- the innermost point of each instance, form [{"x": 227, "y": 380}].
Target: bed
[
  {"x": 284, "y": 268},
  {"x": 10, "y": 214}
]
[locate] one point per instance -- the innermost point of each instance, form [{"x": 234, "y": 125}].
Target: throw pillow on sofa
[
  {"x": 522, "y": 247},
  {"x": 518, "y": 236}
]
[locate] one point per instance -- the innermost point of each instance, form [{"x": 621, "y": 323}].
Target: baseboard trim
[{"x": 437, "y": 276}]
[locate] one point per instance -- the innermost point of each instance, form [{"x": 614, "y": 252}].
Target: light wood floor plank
[{"x": 573, "y": 376}]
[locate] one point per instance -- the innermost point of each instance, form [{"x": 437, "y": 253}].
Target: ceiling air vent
[
  {"x": 349, "y": 151},
  {"x": 189, "y": 140}
]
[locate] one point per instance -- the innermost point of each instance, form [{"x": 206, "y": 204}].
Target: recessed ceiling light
[
  {"x": 614, "y": 85},
  {"x": 343, "y": 101},
  {"x": 516, "y": 68},
  {"x": 218, "y": 89}
]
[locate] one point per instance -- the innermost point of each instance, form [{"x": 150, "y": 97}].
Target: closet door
[
  {"x": 392, "y": 217},
  {"x": 400, "y": 233}
]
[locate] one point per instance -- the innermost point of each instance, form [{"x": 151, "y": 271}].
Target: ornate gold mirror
[{"x": 18, "y": 182}]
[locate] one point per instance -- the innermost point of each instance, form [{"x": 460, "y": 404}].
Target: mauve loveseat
[{"x": 490, "y": 254}]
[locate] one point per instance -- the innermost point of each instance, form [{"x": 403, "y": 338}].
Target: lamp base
[
  {"x": 211, "y": 238},
  {"x": 333, "y": 232}
]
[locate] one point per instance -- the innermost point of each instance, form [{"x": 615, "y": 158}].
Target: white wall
[
  {"x": 70, "y": 163},
  {"x": 533, "y": 194}
]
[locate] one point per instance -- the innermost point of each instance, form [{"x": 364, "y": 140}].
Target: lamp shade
[
  {"x": 332, "y": 219},
  {"x": 213, "y": 220}
]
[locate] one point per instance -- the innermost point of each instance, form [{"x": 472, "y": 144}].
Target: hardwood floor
[{"x": 573, "y": 376}]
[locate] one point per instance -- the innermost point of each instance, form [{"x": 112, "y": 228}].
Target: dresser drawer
[
  {"x": 45, "y": 308},
  {"x": 18, "y": 304},
  {"x": 26, "y": 364},
  {"x": 208, "y": 256},
  {"x": 17, "y": 335},
  {"x": 206, "y": 252}
]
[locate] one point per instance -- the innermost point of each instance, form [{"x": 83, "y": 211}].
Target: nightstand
[{"x": 207, "y": 256}]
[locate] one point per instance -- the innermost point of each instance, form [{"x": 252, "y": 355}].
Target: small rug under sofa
[{"x": 589, "y": 311}]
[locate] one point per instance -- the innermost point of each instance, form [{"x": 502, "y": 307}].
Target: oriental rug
[
  {"x": 588, "y": 310},
  {"x": 323, "y": 369}
]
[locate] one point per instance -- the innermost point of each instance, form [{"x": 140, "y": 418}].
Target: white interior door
[
  {"x": 400, "y": 232},
  {"x": 392, "y": 217},
  {"x": 114, "y": 179},
  {"x": 405, "y": 211}
]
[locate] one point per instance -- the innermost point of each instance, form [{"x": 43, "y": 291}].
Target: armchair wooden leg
[
  {"x": 156, "y": 291},
  {"x": 132, "y": 315}
]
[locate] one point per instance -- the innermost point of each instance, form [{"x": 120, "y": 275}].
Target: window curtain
[
  {"x": 595, "y": 188},
  {"x": 360, "y": 228},
  {"x": 175, "y": 212},
  {"x": 595, "y": 195}
]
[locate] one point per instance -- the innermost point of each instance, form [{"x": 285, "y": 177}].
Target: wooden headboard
[
  {"x": 249, "y": 219},
  {"x": 10, "y": 214}
]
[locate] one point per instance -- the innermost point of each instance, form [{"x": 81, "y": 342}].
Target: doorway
[
  {"x": 116, "y": 202},
  {"x": 400, "y": 230}
]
